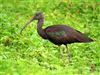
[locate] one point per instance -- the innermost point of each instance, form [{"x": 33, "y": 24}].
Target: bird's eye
[{"x": 36, "y": 14}]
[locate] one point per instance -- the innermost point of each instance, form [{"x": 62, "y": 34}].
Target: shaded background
[{"x": 29, "y": 54}]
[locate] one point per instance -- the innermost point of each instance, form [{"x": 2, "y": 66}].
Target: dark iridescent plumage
[
  {"x": 58, "y": 34},
  {"x": 62, "y": 34}
]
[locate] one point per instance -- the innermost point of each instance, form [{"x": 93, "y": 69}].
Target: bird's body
[
  {"x": 58, "y": 34},
  {"x": 62, "y": 34}
]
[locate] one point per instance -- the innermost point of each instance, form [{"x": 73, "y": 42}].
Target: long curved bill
[{"x": 26, "y": 25}]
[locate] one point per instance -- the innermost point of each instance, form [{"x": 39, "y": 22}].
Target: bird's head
[{"x": 37, "y": 16}]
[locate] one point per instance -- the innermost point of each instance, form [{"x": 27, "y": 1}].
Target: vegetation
[{"x": 29, "y": 54}]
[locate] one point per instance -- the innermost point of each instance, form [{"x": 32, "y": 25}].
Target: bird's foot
[{"x": 69, "y": 56}]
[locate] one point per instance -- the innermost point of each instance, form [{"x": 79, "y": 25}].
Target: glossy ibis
[{"x": 58, "y": 34}]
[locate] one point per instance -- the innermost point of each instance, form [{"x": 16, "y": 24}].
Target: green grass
[{"x": 29, "y": 54}]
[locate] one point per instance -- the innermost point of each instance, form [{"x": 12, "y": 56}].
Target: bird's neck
[
  {"x": 40, "y": 23},
  {"x": 40, "y": 30}
]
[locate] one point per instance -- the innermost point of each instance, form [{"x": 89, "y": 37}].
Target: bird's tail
[{"x": 83, "y": 38}]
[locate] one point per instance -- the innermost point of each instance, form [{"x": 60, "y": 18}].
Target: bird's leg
[
  {"x": 69, "y": 55},
  {"x": 65, "y": 54}
]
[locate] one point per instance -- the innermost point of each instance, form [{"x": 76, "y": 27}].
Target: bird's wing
[
  {"x": 55, "y": 32},
  {"x": 66, "y": 34}
]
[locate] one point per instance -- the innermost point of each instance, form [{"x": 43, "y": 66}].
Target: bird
[{"x": 57, "y": 34}]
